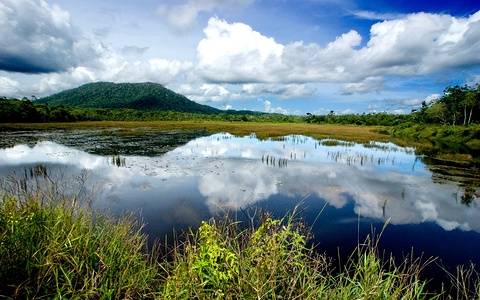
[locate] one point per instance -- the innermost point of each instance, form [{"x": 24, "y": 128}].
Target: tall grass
[
  {"x": 223, "y": 261},
  {"x": 54, "y": 246}
]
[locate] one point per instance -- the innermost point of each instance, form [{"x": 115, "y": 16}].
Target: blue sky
[{"x": 285, "y": 56}]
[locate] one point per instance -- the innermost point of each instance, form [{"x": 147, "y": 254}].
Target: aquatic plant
[
  {"x": 271, "y": 160},
  {"x": 118, "y": 161}
]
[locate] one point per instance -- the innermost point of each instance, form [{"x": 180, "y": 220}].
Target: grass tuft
[{"x": 59, "y": 248}]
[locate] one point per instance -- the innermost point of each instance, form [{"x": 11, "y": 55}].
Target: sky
[{"x": 278, "y": 56}]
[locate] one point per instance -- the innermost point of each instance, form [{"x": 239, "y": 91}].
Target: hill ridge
[{"x": 143, "y": 96}]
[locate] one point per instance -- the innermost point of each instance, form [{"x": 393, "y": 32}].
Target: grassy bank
[
  {"x": 52, "y": 245},
  {"x": 448, "y": 142},
  {"x": 468, "y": 135},
  {"x": 354, "y": 133}
]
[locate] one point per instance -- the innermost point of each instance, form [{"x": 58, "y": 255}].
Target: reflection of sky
[{"x": 227, "y": 172}]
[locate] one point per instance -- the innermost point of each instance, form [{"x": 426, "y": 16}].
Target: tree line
[{"x": 459, "y": 105}]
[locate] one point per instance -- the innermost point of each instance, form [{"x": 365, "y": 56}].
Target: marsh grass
[
  {"x": 223, "y": 260},
  {"x": 55, "y": 247},
  {"x": 465, "y": 282},
  {"x": 349, "y": 133}
]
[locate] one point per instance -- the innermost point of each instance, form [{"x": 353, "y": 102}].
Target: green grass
[
  {"x": 272, "y": 261},
  {"x": 53, "y": 246}
]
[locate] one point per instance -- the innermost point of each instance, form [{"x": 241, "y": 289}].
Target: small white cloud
[
  {"x": 205, "y": 93},
  {"x": 282, "y": 92},
  {"x": 374, "y": 107},
  {"x": 134, "y": 50},
  {"x": 277, "y": 110},
  {"x": 371, "y": 15},
  {"x": 348, "y": 111},
  {"x": 415, "y": 103}
]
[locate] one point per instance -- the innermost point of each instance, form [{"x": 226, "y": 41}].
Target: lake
[{"x": 175, "y": 179}]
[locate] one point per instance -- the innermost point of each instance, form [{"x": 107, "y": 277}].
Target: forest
[{"x": 459, "y": 105}]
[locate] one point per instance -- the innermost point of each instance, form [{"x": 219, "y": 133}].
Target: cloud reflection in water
[{"x": 227, "y": 172}]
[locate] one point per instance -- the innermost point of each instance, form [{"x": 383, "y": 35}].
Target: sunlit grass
[
  {"x": 54, "y": 246},
  {"x": 359, "y": 134}
]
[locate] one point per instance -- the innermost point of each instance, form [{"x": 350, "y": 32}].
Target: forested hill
[{"x": 139, "y": 96}]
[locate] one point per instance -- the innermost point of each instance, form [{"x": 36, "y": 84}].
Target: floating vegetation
[
  {"x": 292, "y": 139},
  {"x": 331, "y": 143},
  {"x": 384, "y": 206},
  {"x": 39, "y": 170}
]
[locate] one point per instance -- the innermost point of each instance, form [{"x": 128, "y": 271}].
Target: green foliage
[
  {"x": 26, "y": 111},
  {"x": 53, "y": 247},
  {"x": 221, "y": 261},
  {"x": 382, "y": 119},
  {"x": 144, "y": 96},
  {"x": 459, "y": 105}
]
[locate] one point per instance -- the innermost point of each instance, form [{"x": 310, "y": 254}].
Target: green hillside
[{"x": 139, "y": 96}]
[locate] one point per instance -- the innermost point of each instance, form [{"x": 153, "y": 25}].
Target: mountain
[{"x": 140, "y": 96}]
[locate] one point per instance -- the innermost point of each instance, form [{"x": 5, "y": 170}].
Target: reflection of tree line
[{"x": 466, "y": 176}]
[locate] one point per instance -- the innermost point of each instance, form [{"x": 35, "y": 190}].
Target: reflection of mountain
[{"x": 226, "y": 172}]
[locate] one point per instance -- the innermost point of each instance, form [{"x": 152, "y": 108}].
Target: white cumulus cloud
[
  {"x": 8, "y": 86},
  {"x": 416, "y": 44}
]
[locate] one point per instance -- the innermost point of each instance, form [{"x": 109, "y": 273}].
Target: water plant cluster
[
  {"x": 53, "y": 245},
  {"x": 273, "y": 161}
]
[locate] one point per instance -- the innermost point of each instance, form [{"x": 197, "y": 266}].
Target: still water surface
[{"x": 176, "y": 179}]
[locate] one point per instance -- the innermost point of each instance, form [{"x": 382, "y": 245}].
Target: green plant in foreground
[
  {"x": 62, "y": 250},
  {"x": 222, "y": 261}
]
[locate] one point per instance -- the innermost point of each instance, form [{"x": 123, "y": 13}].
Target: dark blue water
[{"x": 175, "y": 182}]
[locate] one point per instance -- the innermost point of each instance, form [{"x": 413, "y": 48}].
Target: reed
[
  {"x": 58, "y": 248},
  {"x": 223, "y": 260},
  {"x": 52, "y": 247}
]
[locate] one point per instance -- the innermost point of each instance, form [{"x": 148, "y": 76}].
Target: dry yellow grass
[{"x": 359, "y": 134}]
